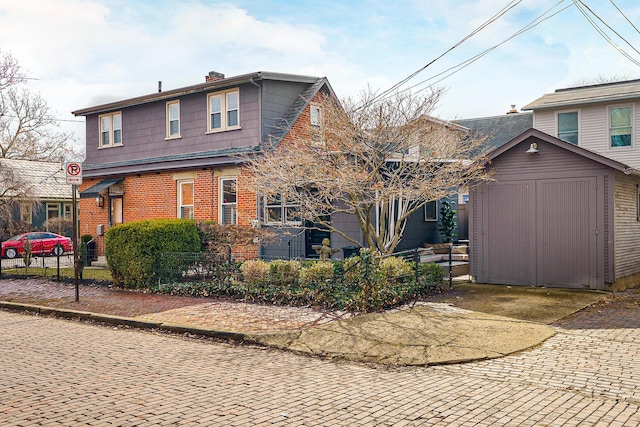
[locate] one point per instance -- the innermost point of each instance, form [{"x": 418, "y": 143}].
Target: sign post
[{"x": 74, "y": 177}]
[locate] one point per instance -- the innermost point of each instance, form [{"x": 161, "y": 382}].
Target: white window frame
[
  {"x": 222, "y": 203},
  {"x": 632, "y": 115},
  {"x": 284, "y": 205},
  {"x": 170, "y": 105},
  {"x": 315, "y": 112},
  {"x": 431, "y": 219},
  {"x": 637, "y": 202},
  {"x": 26, "y": 211},
  {"x": 225, "y": 110},
  {"x": 111, "y": 131},
  {"x": 181, "y": 205},
  {"x": 558, "y": 123}
]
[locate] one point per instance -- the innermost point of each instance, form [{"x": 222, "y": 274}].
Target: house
[
  {"x": 43, "y": 193},
  {"x": 557, "y": 215},
  {"x": 178, "y": 153},
  {"x": 604, "y": 118}
]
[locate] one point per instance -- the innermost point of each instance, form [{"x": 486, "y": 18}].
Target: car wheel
[
  {"x": 57, "y": 250},
  {"x": 11, "y": 253}
]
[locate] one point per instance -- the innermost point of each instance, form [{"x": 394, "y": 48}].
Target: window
[
  {"x": 316, "y": 125},
  {"x": 637, "y": 202},
  {"x": 224, "y": 111},
  {"x": 110, "y": 130},
  {"x": 568, "y": 127},
  {"x": 228, "y": 201},
  {"x": 316, "y": 115},
  {"x": 278, "y": 210},
  {"x": 185, "y": 199},
  {"x": 26, "y": 213},
  {"x": 620, "y": 126},
  {"x": 173, "y": 119},
  {"x": 115, "y": 210},
  {"x": 431, "y": 211},
  {"x": 67, "y": 210}
]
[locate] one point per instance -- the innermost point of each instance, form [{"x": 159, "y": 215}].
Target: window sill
[
  {"x": 171, "y": 138},
  {"x": 222, "y": 130},
  {"x": 109, "y": 146}
]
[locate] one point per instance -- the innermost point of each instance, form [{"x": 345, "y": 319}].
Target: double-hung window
[
  {"x": 620, "y": 126},
  {"x": 185, "y": 199},
  {"x": 173, "y": 119},
  {"x": 224, "y": 110},
  {"x": 280, "y": 211},
  {"x": 228, "y": 201},
  {"x": 316, "y": 124},
  {"x": 111, "y": 129},
  {"x": 431, "y": 211},
  {"x": 568, "y": 126}
]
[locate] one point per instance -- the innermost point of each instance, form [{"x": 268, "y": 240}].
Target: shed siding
[
  {"x": 627, "y": 227},
  {"x": 594, "y": 130}
]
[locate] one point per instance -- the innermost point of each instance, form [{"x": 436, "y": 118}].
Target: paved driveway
[{"x": 58, "y": 372}]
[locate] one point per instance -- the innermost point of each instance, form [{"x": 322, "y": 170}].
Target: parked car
[{"x": 42, "y": 243}]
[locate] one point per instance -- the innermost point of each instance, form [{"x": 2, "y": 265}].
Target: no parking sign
[{"x": 74, "y": 173}]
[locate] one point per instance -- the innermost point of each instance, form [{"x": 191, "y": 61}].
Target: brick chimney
[
  {"x": 213, "y": 76},
  {"x": 512, "y": 110}
]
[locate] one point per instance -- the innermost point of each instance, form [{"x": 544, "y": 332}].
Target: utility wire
[
  {"x": 499, "y": 14},
  {"x": 625, "y": 16},
  {"x": 452, "y": 70},
  {"x": 579, "y": 5}
]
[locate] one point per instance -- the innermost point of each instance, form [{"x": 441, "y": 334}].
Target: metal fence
[{"x": 46, "y": 266}]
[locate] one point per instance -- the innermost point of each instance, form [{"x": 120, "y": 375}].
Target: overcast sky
[{"x": 86, "y": 52}]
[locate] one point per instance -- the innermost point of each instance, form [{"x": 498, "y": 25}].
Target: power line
[
  {"x": 625, "y": 16},
  {"x": 499, "y": 14}
]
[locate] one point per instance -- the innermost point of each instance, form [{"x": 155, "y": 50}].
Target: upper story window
[
  {"x": 316, "y": 124},
  {"x": 224, "y": 110},
  {"x": 228, "y": 201},
  {"x": 280, "y": 211},
  {"x": 111, "y": 129},
  {"x": 173, "y": 119},
  {"x": 568, "y": 126},
  {"x": 620, "y": 126}
]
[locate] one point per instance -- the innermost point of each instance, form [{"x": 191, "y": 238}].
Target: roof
[
  {"x": 283, "y": 126},
  {"x": 617, "y": 91},
  {"x": 96, "y": 189},
  {"x": 499, "y": 129},
  {"x": 592, "y": 155},
  {"x": 201, "y": 87},
  {"x": 48, "y": 179}
]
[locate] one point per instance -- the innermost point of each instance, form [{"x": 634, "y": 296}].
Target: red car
[{"x": 42, "y": 243}]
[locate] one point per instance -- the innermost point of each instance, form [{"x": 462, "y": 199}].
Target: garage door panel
[
  {"x": 509, "y": 233},
  {"x": 566, "y": 239}
]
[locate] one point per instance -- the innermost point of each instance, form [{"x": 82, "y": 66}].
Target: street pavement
[{"x": 70, "y": 373}]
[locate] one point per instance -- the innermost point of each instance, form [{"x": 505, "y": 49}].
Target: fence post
[
  {"x": 450, "y": 268},
  {"x": 416, "y": 260}
]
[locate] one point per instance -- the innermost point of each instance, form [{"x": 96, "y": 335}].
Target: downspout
[{"x": 260, "y": 247}]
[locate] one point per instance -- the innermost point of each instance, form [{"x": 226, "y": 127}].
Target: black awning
[{"x": 93, "y": 191}]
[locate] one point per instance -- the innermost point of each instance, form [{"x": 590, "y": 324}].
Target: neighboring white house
[{"x": 604, "y": 118}]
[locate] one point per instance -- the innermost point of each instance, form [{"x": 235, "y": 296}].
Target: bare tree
[
  {"x": 15, "y": 193},
  {"x": 377, "y": 160},
  {"x": 28, "y": 129}
]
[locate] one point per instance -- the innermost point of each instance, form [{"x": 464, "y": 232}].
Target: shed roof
[
  {"x": 617, "y": 91},
  {"x": 48, "y": 179}
]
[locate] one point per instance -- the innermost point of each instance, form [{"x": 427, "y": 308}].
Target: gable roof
[
  {"x": 201, "y": 87},
  {"x": 283, "y": 126},
  {"x": 499, "y": 129},
  {"x": 48, "y": 179},
  {"x": 591, "y": 155},
  {"x": 568, "y": 97}
]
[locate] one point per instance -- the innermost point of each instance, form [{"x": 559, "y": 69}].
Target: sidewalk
[{"x": 432, "y": 332}]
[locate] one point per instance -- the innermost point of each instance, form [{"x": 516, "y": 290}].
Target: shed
[{"x": 555, "y": 215}]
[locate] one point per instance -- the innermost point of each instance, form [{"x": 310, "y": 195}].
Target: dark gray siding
[
  {"x": 277, "y": 98},
  {"x": 144, "y": 130}
]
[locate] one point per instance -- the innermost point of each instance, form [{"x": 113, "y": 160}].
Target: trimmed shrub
[
  {"x": 318, "y": 273},
  {"x": 255, "y": 272},
  {"x": 284, "y": 273},
  {"x": 395, "y": 269},
  {"x": 133, "y": 249}
]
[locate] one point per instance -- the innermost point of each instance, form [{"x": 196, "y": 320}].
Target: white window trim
[
  {"x": 180, "y": 183},
  {"x": 220, "y": 198},
  {"x": 557, "y": 130},
  {"x": 223, "y": 111},
  {"x": 633, "y": 127},
  {"x": 425, "y": 212},
  {"x": 111, "y": 130},
  {"x": 283, "y": 212},
  {"x": 168, "y": 115}
]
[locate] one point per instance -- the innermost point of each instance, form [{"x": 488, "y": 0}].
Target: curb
[{"x": 122, "y": 321}]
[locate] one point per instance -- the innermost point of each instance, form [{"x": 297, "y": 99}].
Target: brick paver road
[{"x": 58, "y": 372}]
